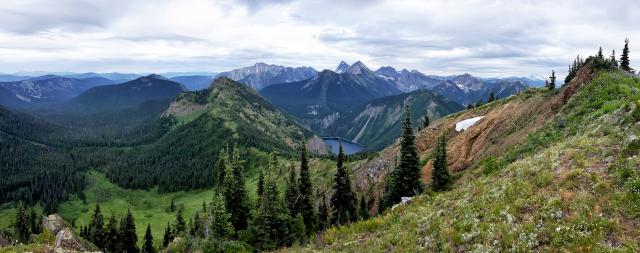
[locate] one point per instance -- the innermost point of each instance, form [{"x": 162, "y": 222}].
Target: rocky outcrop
[{"x": 66, "y": 238}]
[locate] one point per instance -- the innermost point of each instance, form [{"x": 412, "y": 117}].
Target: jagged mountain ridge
[
  {"x": 329, "y": 94},
  {"x": 261, "y": 75}
]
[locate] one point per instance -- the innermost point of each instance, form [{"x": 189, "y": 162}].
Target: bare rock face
[{"x": 66, "y": 238}]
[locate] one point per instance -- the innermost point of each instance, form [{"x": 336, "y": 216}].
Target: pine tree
[
  {"x": 405, "y": 178},
  {"x": 426, "y": 121},
  {"x": 35, "y": 222},
  {"x": 552, "y": 83},
  {"x": 343, "y": 200},
  {"x": 220, "y": 226},
  {"x": 168, "y": 234},
  {"x": 260, "y": 183},
  {"x": 270, "y": 223},
  {"x": 235, "y": 194},
  {"x": 298, "y": 229},
  {"x": 172, "y": 206},
  {"x": 129, "y": 238},
  {"x": 491, "y": 97},
  {"x": 600, "y": 55},
  {"x": 305, "y": 190},
  {"x": 363, "y": 211},
  {"x": 204, "y": 206},
  {"x": 22, "y": 225},
  {"x": 291, "y": 194},
  {"x": 440, "y": 177},
  {"x": 112, "y": 235},
  {"x": 221, "y": 167},
  {"x": 147, "y": 247},
  {"x": 181, "y": 226},
  {"x": 196, "y": 229},
  {"x": 323, "y": 216},
  {"x": 469, "y": 106},
  {"x": 96, "y": 228},
  {"x": 612, "y": 58},
  {"x": 624, "y": 58}
]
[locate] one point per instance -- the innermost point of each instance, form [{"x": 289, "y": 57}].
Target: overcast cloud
[{"x": 485, "y": 38}]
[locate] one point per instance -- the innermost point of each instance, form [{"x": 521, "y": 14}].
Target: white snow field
[{"x": 463, "y": 125}]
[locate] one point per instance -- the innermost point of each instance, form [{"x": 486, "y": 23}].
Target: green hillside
[{"x": 572, "y": 186}]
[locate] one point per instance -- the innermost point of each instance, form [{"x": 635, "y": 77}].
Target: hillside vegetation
[{"x": 572, "y": 184}]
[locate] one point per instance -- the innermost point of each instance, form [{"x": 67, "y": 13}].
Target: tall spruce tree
[
  {"x": 112, "y": 235},
  {"x": 22, "y": 225},
  {"x": 323, "y": 214},
  {"x": 363, "y": 211},
  {"x": 405, "y": 177},
  {"x": 147, "y": 247},
  {"x": 305, "y": 190},
  {"x": 552, "y": 80},
  {"x": 291, "y": 194},
  {"x": 600, "y": 55},
  {"x": 612, "y": 58},
  {"x": 129, "y": 238},
  {"x": 168, "y": 234},
  {"x": 181, "y": 225},
  {"x": 343, "y": 201},
  {"x": 235, "y": 194},
  {"x": 440, "y": 177},
  {"x": 624, "y": 58},
  {"x": 221, "y": 167},
  {"x": 34, "y": 222},
  {"x": 96, "y": 228},
  {"x": 270, "y": 224},
  {"x": 220, "y": 226},
  {"x": 260, "y": 187}
]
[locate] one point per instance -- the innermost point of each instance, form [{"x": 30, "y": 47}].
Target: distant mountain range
[
  {"x": 319, "y": 100},
  {"x": 262, "y": 75},
  {"x": 45, "y": 90},
  {"x": 129, "y": 94}
]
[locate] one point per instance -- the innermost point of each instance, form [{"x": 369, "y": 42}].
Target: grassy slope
[{"x": 573, "y": 190}]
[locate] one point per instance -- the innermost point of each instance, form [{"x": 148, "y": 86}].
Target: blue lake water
[{"x": 349, "y": 146}]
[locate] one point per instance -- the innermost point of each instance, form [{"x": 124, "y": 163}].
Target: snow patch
[{"x": 463, "y": 125}]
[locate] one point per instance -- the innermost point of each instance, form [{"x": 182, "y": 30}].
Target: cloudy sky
[{"x": 485, "y": 38}]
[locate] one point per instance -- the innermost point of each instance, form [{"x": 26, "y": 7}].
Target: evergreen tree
[
  {"x": 221, "y": 167},
  {"x": 624, "y": 58},
  {"x": 204, "y": 206},
  {"x": 323, "y": 216},
  {"x": 147, "y": 247},
  {"x": 181, "y": 226},
  {"x": 600, "y": 55},
  {"x": 291, "y": 194},
  {"x": 172, "y": 206},
  {"x": 168, "y": 235},
  {"x": 260, "y": 182},
  {"x": 298, "y": 229},
  {"x": 491, "y": 97},
  {"x": 363, "y": 212},
  {"x": 270, "y": 223},
  {"x": 96, "y": 228},
  {"x": 35, "y": 222},
  {"x": 112, "y": 235},
  {"x": 612, "y": 58},
  {"x": 220, "y": 226},
  {"x": 440, "y": 177},
  {"x": 469, "y": 106},
  {"x": 22, "y": 225},
  {"x": 305, "y": 190},
  {"x": 196, "y": 229},
  {"x": 129, "y": 238},
  {"x": 405, "y": 178},
  {"x": 343, "y": 201},
  {"x": 426, "y": 121},
  {"x": 235, "y": 193},
  {"x": 552, "y": 83}
]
